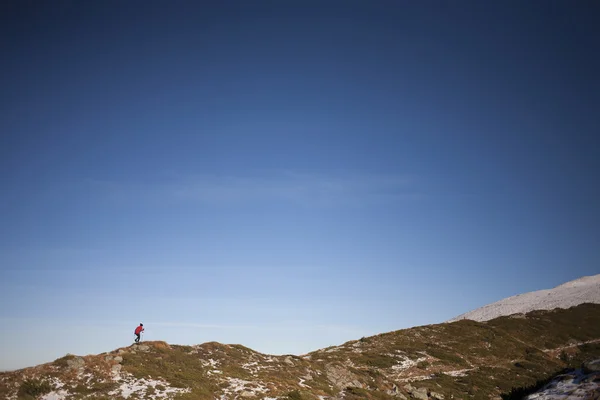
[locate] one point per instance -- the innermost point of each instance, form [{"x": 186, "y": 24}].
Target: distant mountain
[
  {"x": 504, "y": 358},
  {"x": 573, "y": 293}
]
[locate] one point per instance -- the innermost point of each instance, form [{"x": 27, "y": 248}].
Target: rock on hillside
[{"x": 570, "y": 294}]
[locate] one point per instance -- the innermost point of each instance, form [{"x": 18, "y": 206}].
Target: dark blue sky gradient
[{"x": 252, "y": 150}]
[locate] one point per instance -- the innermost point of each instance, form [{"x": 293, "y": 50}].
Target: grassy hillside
[{"x": 460, "y": 360}]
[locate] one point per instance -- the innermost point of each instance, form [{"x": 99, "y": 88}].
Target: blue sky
[{"x": 287, "y": 175}]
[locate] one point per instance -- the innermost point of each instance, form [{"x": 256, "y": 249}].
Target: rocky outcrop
[
  {"x": 417, "y": 393},
  {"x": 341, "y": 377},
  {"x": 422, "y": 393},
  {"x": 288, "y": 361},
  {"x": 76, "y": 363},
  {"x": 394, "y": 391},
  {"x": 592, "y": 366}
]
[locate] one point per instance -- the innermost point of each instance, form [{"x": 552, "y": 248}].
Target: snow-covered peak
[
  {"x": 569, "y": 294},
  {"x": 586, "y": 280}
]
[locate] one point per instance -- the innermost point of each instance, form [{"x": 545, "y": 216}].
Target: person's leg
[{"x": 137, "y": 337}]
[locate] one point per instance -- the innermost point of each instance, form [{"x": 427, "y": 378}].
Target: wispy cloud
[{"x": 282, "y": 187}]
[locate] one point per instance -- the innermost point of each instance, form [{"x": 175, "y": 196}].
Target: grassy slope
[{"x": 494, "y": 356}]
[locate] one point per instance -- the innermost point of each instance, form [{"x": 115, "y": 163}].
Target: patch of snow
[
  {"x": 57, "y": 383},
  {"x": 88, "y": 377},
  {"x": 572, "y": 345},
  {"x": 58, "y": 393},
  {"x": 458, "y": 372},
  {"x": 301, "y": 383},
  {"x": 573, "y": 386},
  {"x": 415, "y": 378},
  {"x": 210, "y": 362},
  {"x": 570, "y": 294},
  {"x": 583, "y": 281},
  {"x": 55, "y": 395},
  {"x": 242, "y": 387},
  {"x": 254, "y": 367},
  {"x": 140, "y": 387},
  {"x": 214, "y": 371},
  {"x": 406, "y": 363},
  {"x": 250, "y": 364}
]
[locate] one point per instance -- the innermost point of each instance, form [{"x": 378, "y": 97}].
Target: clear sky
[{"x": 288, "y": 175}]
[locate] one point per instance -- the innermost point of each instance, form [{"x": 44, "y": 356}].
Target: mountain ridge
[{"x": 582, "y": 290}]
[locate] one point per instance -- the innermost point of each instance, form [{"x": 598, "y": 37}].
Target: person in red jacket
[{"x": 138, "y": 331}]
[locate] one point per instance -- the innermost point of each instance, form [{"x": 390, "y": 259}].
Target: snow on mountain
[
  {"x": 579, "y": 384},
  {"x": 578, "y": 291}
]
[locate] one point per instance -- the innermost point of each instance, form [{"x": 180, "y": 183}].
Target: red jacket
[{"x": 138, "y": 330}]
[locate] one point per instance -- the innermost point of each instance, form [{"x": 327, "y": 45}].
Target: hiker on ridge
[{"x": 138, "y": 331}]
